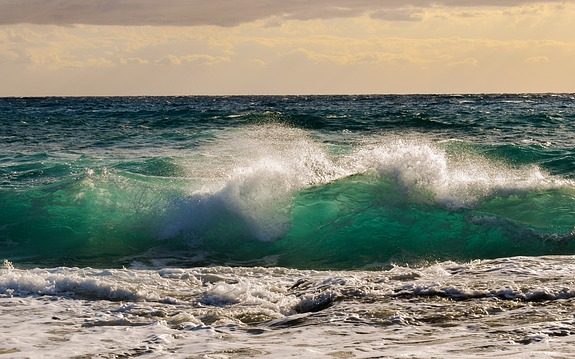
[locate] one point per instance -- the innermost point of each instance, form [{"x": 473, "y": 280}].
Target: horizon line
[{"x": 302, "y": 95}]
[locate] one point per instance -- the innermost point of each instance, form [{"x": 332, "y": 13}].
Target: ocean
[{"x": 372, "y": 226}]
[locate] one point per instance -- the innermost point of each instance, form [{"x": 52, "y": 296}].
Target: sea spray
[
  {"x": 286, "y": 181},
  {"x": 184, "y": 226},
  {"x": 270, "y": 164}
]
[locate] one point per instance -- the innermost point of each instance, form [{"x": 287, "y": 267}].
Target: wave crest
[{"x": 261, "y": 170}]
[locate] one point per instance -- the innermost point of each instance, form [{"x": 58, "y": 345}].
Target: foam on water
[
  {"x": 258, "y": 171},
  {"x": 415, "y": 188},
  {"x": 451, "y": 178},
  {"x": 478, "y": 308},
  {"x": 261, "y": 194}
]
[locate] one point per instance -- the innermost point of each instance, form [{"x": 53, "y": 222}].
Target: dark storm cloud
[{"x": 216, "y": 12}]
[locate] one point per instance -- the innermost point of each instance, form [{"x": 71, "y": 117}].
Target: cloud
[
  {"x": 469, "y": 61},
  {"x": 538, "y": 60},
  {"x": 199, "y": 59},
  {"x": 219, "y": 12},
  {"x": 133, "y": 61},
  {"x": 400, "y": 14}
]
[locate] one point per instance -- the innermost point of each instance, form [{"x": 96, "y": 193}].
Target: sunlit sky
[{"x": 218, "y": 47}]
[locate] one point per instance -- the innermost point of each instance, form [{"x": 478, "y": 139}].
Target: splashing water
[{"x": 266, "y": 192}]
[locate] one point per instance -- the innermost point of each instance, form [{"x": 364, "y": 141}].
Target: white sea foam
[
  {"x": 252, "y": 174},
  {"x": 6, "y": 264},
  {"x": 454, "y": 180},
  {"x": 270, "y": 163},
  {"x": 476, "y": 309}
]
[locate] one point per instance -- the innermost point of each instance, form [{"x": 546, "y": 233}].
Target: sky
[{"x": 227, "y": 47}]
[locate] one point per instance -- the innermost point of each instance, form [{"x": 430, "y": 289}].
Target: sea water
[{"x": 307, "y": 226}]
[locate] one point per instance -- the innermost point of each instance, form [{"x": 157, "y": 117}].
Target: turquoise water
[{"x": 306, "y": 182}]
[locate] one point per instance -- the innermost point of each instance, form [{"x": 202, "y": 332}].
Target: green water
[{"x": 306, "y": 182}]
